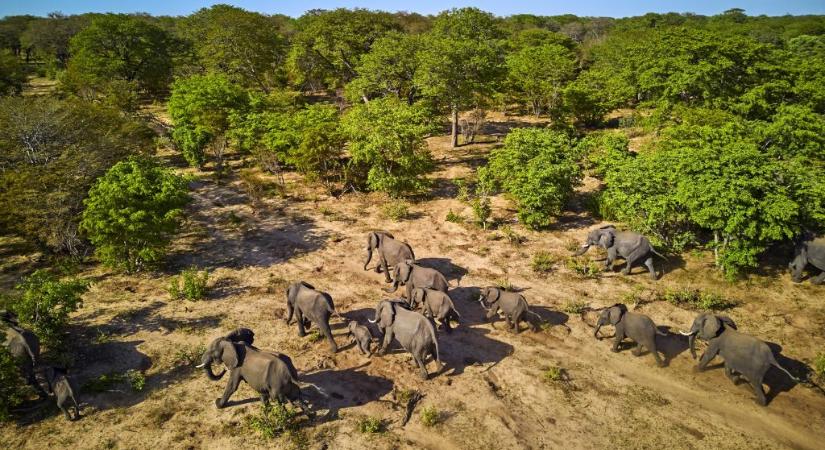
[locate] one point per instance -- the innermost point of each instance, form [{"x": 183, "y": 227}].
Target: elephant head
[
  {"x": 401, "y": 274},
  {"x": 244, "y": 335},
  {"x": 489, "y": 296},
  {"x": 220, "y": 350},
  {"x": 291, "y": 296},
  {"x": 707, "y": 326},
  {"x": 611, "y": 315},
  {"x": 602, "y": 237},
  {"x": 418, "y": 297},
  {"x": 384, "y": 314},
  {"x": 799, "y": 262},
  {"x": 374, "y": 240}
]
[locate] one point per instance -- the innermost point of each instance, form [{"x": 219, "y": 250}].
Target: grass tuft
[
  {"x": 190, "y": 284},
  {"x": 574, "y": 307},
  {"x": 698, "y": 300},
  {"x": 430, "y": 416},
  {"x": 454, "y": 217},
  {"x": 542, "y": 262},
  {"x": 370, "y": 425},
  {"x": 583, "y": 268},
  {"x": 396, "y": 210}
]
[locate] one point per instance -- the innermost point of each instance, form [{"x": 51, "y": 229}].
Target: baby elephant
[
  {"x": 512, "y": 304},
  {"x": 435, "y": 305},
  {"x": 361, "y": 336},
  {"x": 63, "y": 390},
  {"x": 637, "y": 327}
]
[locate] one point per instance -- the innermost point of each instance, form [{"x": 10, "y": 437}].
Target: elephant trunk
[
  {"x": 394, "y": 286},
  {"x": 206, "y": 363},
  {"x": 599, "y": 324},
  {"x": 581, "y": 250},
  {"x": 369, "y": 257}
]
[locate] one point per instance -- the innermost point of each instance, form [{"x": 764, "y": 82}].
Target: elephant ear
[
  {"x": 372, "y": 240},
  {"x": 727, "y": 321},
  {"x": 606, "y": 238},
  {"x": 710, "y": 327},
  {"x": 615, "y": 314},
  {"x": 229, "y": 354},
  {"x": 387, "y": 314}
]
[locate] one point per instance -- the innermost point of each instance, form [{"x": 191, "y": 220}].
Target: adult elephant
[
  {"x": 724, "y": 321},
  {"x": 513, "y": 306},
  {"x": 412, "y": 276},
  {"x": 744, "y": 355},
  {"x": 390, "y": 252},
  {"x": 810, "y": 251},
  {"x": 272, "y": 375},
  {"x": 307, "y": 303},
  {"x": 24, "y": 347},
  {"x": 411, "y": 329},
  {"x": 436, "y": 305},
  {"x": 632, "y": 247}
]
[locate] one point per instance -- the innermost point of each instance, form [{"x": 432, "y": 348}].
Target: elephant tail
[
  {"x": 653, "y": 250},
  {"x": 431, "y": 330},
  {"x": 776, "y": 364}
]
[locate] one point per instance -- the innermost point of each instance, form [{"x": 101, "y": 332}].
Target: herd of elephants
[{"x": 411, "y": 321}]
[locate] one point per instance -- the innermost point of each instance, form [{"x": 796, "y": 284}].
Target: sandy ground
[{"x": 492, "y": 393}]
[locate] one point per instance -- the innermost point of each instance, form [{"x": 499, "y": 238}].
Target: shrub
[
  {"x": 554, "y": 374},
  {"x": 136, "y": 379},
  {"x": 574, "y": 307},
  {"x": 370, "y": 425},
  {"x": 819, "y": 365},
  {"x": 542, "y": 262},
  {"x": 274, "y": 420},
  {"x": 537, "y": 168},
  {"x": 190, "y": 284},
  {"x": 697, "y": 299},
  {"x": 583, "y": 268},
  {"x": 454, "y": 218},
  {"x": 396, "y": 210},
  {"x": 315, "y": 336},
  {"x": 512, "y": 237},
  {"x": 481, "y": 210},
  {"x": 45, "y": 302},
  {"x": 132, "y": 211},
  {"x": 189, "y": 355},
  {"x": 430, "y": 416},
  {"x": 12, "y": 385},
  {"x": 462, "y": 189}
]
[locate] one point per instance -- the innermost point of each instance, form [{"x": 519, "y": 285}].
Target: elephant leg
[
  {"x": 729, "y": 373},
  {"x": 388, "y": 334},
  {"x": 300, "y": 316},
  {"x": 649, "y": 264},
  {"x": 265, "y": 398},
  {"x": 386, "y": 270},
  {"x": 324, "y": 326},
  {"x": 446, "y": 322},
  {"x": 710, "y": 353},
  {"x": 611, "y": 258},
  {"x": 760, "y": 392},
  {"x": 819, "y": 279},
  {"x": 652, "y": 349},
  {"x": 66, "y": 412},
  {"x": 231, "y": 387},
  {"x": 638, "y": 350},
  {"x": 508, "y": 320},
  {"x": 421, "y": 366},
  {"x": 617, "y": 340},
  {"x": 628, "y": 265}
]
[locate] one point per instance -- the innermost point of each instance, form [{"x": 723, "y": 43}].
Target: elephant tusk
[
  {"x": 687, "y": 334},
  {"x": 200, "y": 366},
  {"x": 371, "y": 321}
]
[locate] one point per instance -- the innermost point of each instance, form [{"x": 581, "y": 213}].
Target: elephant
[
  {"x": 24, "y": 346},
  {"x": 413, "y": 276},
  {"x": 512, "y": 304},
  {"x": 411, "y": 329},
  {"x": 435, "y": 305},
  {"x": 390, "y": 252},
  {"x": 271, "y": 374},
  {"x": 638, "y": 327},
  {"x": 63, "y": 389},
  {"x": 361, "y": 337},
  {"x": 810, "y": 251},
  {"x": 313, "y": 305},
  {"x": 633, "y": 247},
  {"x": 744, "y": 355},
  {"x": 724, "y": 320}
]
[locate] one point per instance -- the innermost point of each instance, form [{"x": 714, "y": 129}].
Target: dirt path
[{"x": 493, "y": 393}]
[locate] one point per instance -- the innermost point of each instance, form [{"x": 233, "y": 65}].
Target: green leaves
[
  {"x": 538, "y": 169},
  {"x": 539, "y": 74},
  {"x": 132, "y": 211}
]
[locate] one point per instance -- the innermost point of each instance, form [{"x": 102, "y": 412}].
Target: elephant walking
[
  {"x": 64, "y": 390},
  {"x": 24, "y": 346},
  {"x": 412, "y": 330},
  {"x": 638, "y": 327},
  {"x": 307, "y": 303},
  {"x": 810, "y": 251},
  {"x": 413, "y": 276},
  {"x": 512, "y": 304},
  {"x": 272, "y": 375},
  {"x": 435, "y": 305},
  {"x": 633, "y": 247},
  {"x": 390, "y": 252},
  {"x": 744, "y": 355}
]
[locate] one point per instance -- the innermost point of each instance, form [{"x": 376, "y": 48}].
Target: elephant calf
[
  {"x": 811, "y": 251},
  {"x": 361, "y": 337},
  {"x": 412, "y": 330},
  {"x": 435, "y": 305},
  {"x": 512, "y": 304},
  {"x": 307, "y": 303},
  {"x": 63, "y": 389},
  {"x": 744, "y": 355},
  {"x": 638, "y": 327},
  {"x": 390, "y": 252},
  {"x": 413, "y": 276}
]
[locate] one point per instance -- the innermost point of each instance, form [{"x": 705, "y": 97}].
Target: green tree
[
  {"x": 12, "y": 385},
  {"x": 388, "y": 69},
  {"x": 246, "y": 46},
  {"x": 12, "y": 75},
  {"x": 121, "y": 49},
  {"x": 538, "y": 169},
  {"x": 49, "y": 37},
  {"x": 539, "y": 75},
  {"x": 460, "y": 61},
  {"x": 202, "y": 107},
  {"x": 386, "y": 141},
  {"x": 132, "y": 211}
]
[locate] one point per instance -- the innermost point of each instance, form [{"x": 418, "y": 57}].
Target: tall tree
[
  {"x": 388, "y": 69},
  {"x": 539, "y": 74}
]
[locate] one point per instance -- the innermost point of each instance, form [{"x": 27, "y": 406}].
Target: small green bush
[
  {"x": 396, "y": 210},
  {"x": 554, "y": 374},
  {"x": 136, "y": 379},
  {"x": 430, "y": 416},
  {"x": 482, "y": 210},
  {"x": 370, "y": 425},
  {"x": 45, "y": 303},
  {"x": 189, "y": 355},
  {"x": 315, "y": 336},
  {"x": 542, "y": 262},
  {"x": 583, "y": 268},
  {"x": 190, "y": 284},
  {"x": 511, "y": 236},
  {"x": 463, "y": 189},
  {"x": 574, "y": 307},
  {"x": 819, "y": 365},
  {"x": 274, "y": 420},
  {"x": 697, "y": 299},
  {"x": 454, "y": 217},
  {"x": 12, "y": 385}
]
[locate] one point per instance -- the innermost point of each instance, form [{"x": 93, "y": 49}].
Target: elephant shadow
[
  {"x": 466, "y": 303},
  {"x": 345, "y": 388},
  {"x": 549, "y": 316},
  {"x": 470, "y": 346},
  {"x": 445, "y": 266},
  {"x": 777, "y": 380},
  {"x": 670, "y": 345}
]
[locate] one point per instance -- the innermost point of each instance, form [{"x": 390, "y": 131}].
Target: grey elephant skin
[
  {"x": 411, "y": 329},
  {"x": 64, "y": 390},
  {"x": 24, "y": 346},
  {"x": 307, "y": 303},
  {"x": 361, "y": 337},
  {"x": 744, "y": 355},
  {"x": 810, "y": 251},
  {"x": 633, "y": 247},
  {"x": 390, "y": 252},
  {"x": 637, "y": 327},
  {"x": 413, "y": 276},
  {"x": 436, "y": 305},
  {"x": 272, "y": 375},
  {"x": 512, "y": 304}
]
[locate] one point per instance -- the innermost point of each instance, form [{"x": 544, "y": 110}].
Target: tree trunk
[
  {"x": 716, "y": 248},
  {"x": 455, "y": 126}
]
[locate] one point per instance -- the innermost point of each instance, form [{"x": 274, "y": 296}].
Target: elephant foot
[
  {"x": 761, "y": 401},
  {"x": 614, "y": 350},
  {"x": 625, "y": 272},
  {"x": 697, "y": 369},
  {"x": 660, "y": 363},
  {"x": 301, "y": 334},
  {"x": 219, "y": 403}
]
